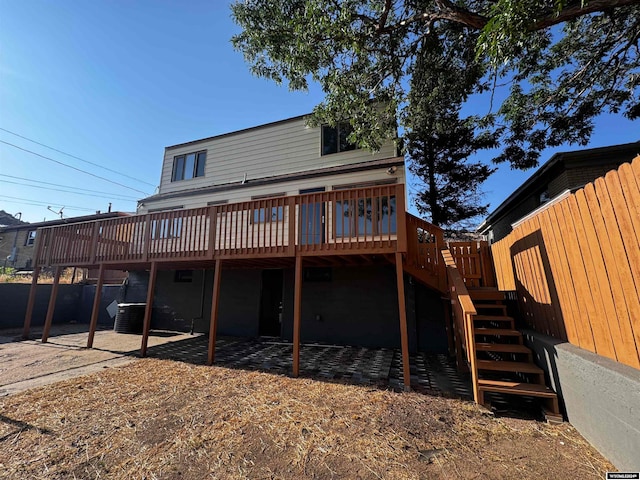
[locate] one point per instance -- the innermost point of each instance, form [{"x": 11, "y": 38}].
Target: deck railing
[
  {"x": 463, "y": 311},
  {"x": 474, "y": 263},
  {"x": 361, "y": 220},
  {"x": 424, "y": 243}
]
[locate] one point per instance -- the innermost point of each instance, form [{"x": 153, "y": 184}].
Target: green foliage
[
  {"x": 7, "y": 270},
  {"x": 564, "y": 62},
  {"x": 439, "y": 139}
]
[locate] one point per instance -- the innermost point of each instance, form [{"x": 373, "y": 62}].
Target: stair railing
[
  {"x": 424, "y": 242},
  {"x": 463, "y": 312}
]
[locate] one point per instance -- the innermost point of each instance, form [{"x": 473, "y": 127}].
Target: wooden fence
[{"x": 576, "y": 267}]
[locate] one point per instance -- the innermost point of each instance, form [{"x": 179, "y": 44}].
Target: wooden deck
[
  {"x": 365, "y": 221},
  {"x": 343, "y": 227}
]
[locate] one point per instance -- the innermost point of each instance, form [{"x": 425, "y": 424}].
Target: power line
[
  {"x": 72, "y": 167},
  {"x": 77, "y": 158},
  {"x": 111, "y": 197},
  {"x": 28, "y": 201},
  {"x": 63, "y": 186}
]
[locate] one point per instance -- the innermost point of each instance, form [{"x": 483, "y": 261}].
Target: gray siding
[{"x": 285, "y": 147}]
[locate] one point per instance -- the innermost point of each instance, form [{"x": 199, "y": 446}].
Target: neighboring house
[
  {"x": 17, "y": 242},
  {"x": 564, "y": 173}
]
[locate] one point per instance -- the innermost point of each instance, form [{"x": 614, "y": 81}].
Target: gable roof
[{"x": 64, "y": 221}]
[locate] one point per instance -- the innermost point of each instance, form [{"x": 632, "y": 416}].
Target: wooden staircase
[
  {"x": 503, "y": 364},
  {"x": 486, "y": 340}
]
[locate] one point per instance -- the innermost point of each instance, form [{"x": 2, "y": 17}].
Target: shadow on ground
[{"x": 379, "y": 368}]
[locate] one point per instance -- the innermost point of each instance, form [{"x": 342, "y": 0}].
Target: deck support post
[
  {"x": 297, "y": 311},
  {"x": 449, "y": 325},
  {"x": 215, "y": 302},
  {"x": 402, "y": 311},
  {"x": 30, "y": 303},
  {"x": 52, "y": 304},
  {"x": 96, "y": 307},
  {"x": 148, "y": 308}
]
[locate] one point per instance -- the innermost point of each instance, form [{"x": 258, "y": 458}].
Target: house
[
  {"x": 267, "y": 165},
  {"x": 17, "y": 242},
  {"x": 290, "y": 231},
  {"x": 562, "y": 174}
]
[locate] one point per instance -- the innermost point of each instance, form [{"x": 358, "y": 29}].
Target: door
[
  {"x": 271, "y": 303},
  {"x": 312, "y": 220}
]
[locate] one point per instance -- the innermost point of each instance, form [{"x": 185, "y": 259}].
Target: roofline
[
  {"x": 288, "y": 177},
  {"x": 64, "y": 221},
  {"x": 249, "y": 129},
  {"x": 552, "y": 162}
]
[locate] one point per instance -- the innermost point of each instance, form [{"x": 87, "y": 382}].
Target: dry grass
[
  {"x": 163, "y": 419},
  {"x": 45, "y": 277}
]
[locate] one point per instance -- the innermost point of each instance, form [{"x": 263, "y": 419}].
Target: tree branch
[
  {"x": 578, "y": 10},
  {"x": 447, "y": 10}
]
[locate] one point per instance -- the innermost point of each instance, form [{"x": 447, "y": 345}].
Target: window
[
  {"x": 166, "y": 228},
  {"x": 268, "y": 214},
  {"x": 31, "y": 237},
  {"x": 365, "y": 216},
  {"x": 189, "y": 166},
  {"x": 335, "y": 139},
  {"x": 273, "y": 214}
]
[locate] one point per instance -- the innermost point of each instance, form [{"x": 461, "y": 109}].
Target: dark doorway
[
  {"x": 271, "y": 303},
  {"x": 312, "y": 220}
]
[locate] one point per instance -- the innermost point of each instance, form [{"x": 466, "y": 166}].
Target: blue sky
[{"x": 115, "y": 82}]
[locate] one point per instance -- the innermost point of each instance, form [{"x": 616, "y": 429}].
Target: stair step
[
  {"x": 485, "y": 293},
  {"x": 503, "y": 348},
  {"x": 506, "y": 332},
  {"x": 493, "y": 318},
  {"x": 517, "y": 388},
  {"x": 506, "y": 366},
  {"x": 491, "y": 306}
]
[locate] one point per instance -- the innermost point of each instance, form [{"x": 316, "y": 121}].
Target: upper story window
[
  {"x": 31, "y": 238},
  {"x": 335, "y": 139},
  {"x": 189, "y": 166}
]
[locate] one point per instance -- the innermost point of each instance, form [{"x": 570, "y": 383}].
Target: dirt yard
[{"x": 160, "y": 419}]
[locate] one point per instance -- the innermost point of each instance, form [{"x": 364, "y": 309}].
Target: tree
[
  {"x": 563, "y": 62},
  {"x": 439, "y": 140}
]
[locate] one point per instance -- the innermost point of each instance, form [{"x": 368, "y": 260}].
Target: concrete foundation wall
[
  {"x": 110, "y": 293},
  {"x": 357, "y": 306},
  {"x": 601, "y": 397},
  {"x": 73, "y": 304},
  {"x": 176, "y": 304},
  {"x": 239, "y": 303}
]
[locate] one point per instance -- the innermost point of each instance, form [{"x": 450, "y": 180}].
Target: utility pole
[{"x": 15, "y": 241}]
